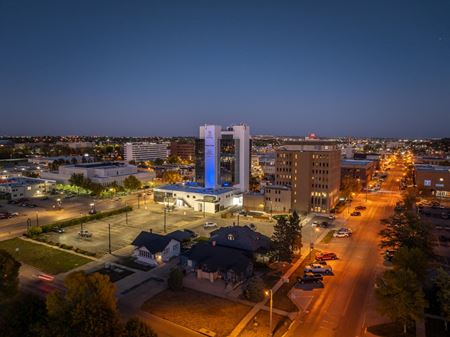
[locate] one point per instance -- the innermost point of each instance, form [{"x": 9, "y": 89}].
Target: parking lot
[{"x": 125, "y": 227}]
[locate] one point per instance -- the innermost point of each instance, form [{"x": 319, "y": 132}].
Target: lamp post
[
  {"x": 109, "y": 238},
  {"x": 37, "y": 218},
  {"x": 139, "y": 198},
  {"x": 270, "y": 293}
]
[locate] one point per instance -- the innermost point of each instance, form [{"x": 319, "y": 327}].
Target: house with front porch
[
  {"x": 154, "y": 249},
  {"x": 211, "y": 262}
]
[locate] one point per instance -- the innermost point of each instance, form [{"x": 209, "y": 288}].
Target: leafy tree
[
  {"x": 25, "y": 315},
  {"x": 400, "y": 297},
  {"x": 254, "y": 183},
  {"x": 294, "y": 232},
  {"x": 412, "y": 259},
  {"x": 132, "y": 183},
  {"x": 175, "y": 281},
  {"x": 174, "y": 160},
  {"x": 443, "y": 294},
  {"x": 281, "y": 251},
  {"x": 349, "y": 185},
  {"x": 255, "y": 290},
  {"x": 136, "y": 328},
  {"x": 9, "y": 273},
  {"x": 172, "y": 177},
  {"x": 88, "y": 308},
  {"x": 158, "y": 161}
]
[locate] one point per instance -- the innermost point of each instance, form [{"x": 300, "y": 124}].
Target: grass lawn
[
  {"x": 44, "y": 258},
  {"x": 327, "y": 238},
  {"x": 260, "y": 325},
  {"x": 280, "y": 298},
  {"x": 196, "y": 310}
]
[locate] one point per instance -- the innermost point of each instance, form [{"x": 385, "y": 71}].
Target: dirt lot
[{"x": 197, "y": 310}]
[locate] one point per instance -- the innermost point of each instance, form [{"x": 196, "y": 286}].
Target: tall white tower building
[{"x": 223, "y": 156}]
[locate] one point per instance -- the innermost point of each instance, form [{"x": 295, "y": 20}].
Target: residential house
[
  {"x": 245, "y": 239},
  {"x": 211, "y": 262},
  {"x": 153, "y": 249}
]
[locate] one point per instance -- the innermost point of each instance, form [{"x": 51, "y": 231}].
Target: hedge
[{"x": 84, "y": 219}]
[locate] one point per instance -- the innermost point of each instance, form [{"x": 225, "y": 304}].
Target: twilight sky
[{"x": 336, "y": 68}]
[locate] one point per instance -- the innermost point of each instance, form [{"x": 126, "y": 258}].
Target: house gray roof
[
  {"x": 241, "y": 237},
  {"x": 180, "y": 235},
  {"x": 154, "y": 243},
  {"x": 216, "y": 258}
]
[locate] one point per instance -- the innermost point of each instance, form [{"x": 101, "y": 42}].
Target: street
[{"x": 339, "y": 309}]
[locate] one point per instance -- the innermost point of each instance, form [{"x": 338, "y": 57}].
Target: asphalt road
[{"x": 339, "y": 308}]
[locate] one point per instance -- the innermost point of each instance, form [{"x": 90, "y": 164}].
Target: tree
[
  {"x": 400, "y": 297},
  {"x": 158, "y": 161},
  {"x": 172, "y": 177},
  {"x": 9, "y": 273},
  {"x": 132, "y": 183},
  {"x": 443, "y": 294},
  {"x": 349, "y": 185},
  {"x": 294, "y": 232},
  {"x": 412, "y": 259},
  {"x": 25, "y": 315},
  {"x": 136, "y": 328},
  {"x": 88, "y": 308},
  {"x": 174, "y": 160},
  {"x": 281, "y": 250},
  {"x": 254, "y": 183},
  {"x": 255, "y": 290},
  {"x": 175, "y": 281}
]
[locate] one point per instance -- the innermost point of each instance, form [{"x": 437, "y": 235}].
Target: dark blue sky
[{"x": 364, "y": 68}]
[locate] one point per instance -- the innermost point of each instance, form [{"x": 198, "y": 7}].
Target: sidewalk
[{"x": 261, "y": 305}]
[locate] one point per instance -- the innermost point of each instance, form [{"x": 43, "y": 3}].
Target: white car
[
  {"x": 210, "y": 225},
  {"x": 342, "y": 234},
  {"x": 318, "y": 268},
  {"x": 315, "y": 224},
  {"x": 331, "y": 217}
]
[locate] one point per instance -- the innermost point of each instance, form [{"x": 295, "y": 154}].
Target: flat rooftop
[
  {"x": 356, "y": 162},
  {"x": 23, "y": 181},
  {"x": 432, "y": 168},
  {"x": 195, "y": 189},
  {"x": 100, "y": 165}
]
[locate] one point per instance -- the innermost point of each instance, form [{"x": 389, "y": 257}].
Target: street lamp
[
  {"x": 37, "y": 218},
  {"x": 270, "y": 293}
]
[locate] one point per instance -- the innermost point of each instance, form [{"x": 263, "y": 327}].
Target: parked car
[
  {"x": 356, "y": 213},
  {"x": 84, "y": 234},
  {"x": 252, "y": 227},
  {"x": 360, "y": 208},
  {"x": 210, "y": 225},
  {"x": 342, "y": 234},
  {"x": 310, "y": 278},
  {"x": 332, "y": 217},
  {"x": 326, "y": 256},
  {"x": 317, "y": 268},
  {"x": 324, "y": 224},
  {"x": 315, "y": 224},
  {"x": 59, "y": 230},
  {"x": 92, "y": 211}
]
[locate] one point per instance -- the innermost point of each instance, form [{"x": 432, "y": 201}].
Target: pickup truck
[
  {"x": 84, "y": 234},
  {"x": 318, "y": 269}
]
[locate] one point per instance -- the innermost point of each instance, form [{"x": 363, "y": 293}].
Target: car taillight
[{"x": 46, "y": 277}]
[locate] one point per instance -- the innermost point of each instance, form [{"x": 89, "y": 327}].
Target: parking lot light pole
[
  {"x": 37, "y": 218},
  {"x": 109, "y": 238},
  {"x": 270, "y": 293}
]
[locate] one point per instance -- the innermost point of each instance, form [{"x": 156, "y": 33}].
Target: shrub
[
  {"x": 175, "y": 281},
  {"x": 255, "y": 290},
  {"x": 34, "y": 231}
]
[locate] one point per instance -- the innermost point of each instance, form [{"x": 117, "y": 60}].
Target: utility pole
[
  {"x": 139, "y": 197},
  {"x": 165, "y": 219},
  {"x": 270, "y": 293},
  {"x": 109, "y": 238},
  {"x": 37, "y": 218}
]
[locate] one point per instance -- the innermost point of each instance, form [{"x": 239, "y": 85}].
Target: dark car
[
  {"x": 310, "y": 278},
  {"x": 326, "y": 256},
  {"x": 360, "y": 208},
  {"x": 324, "y": 224},
  {"x": 192, "y": 233},
  {"x": 59, "y": 230},
  {"x": 356, "y": 213}
]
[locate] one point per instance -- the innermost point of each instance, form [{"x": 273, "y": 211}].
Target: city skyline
[{"x": 374, "y": 69}]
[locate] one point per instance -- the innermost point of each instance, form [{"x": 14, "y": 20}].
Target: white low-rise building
[
  {"x": 101, "y": 172},
  {"x": 144, "y": 151},
  {"x": 153, "y": 249},
  {"x": 200, "y": 199},
  {"x": 24, "y": 187}
]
